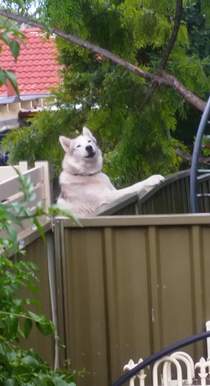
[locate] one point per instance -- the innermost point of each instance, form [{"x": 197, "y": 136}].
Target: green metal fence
[
  {"x": 170, "y": 197},
  {"x": 128, "y": 286}
]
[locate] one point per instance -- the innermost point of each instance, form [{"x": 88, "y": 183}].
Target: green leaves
[
  {"x": 43, "y": 324},
  {"x": 19, "y": 367},
  {"x": 27, "y": 327},
  {"x": 110, "y": 96},
  {"x": 12, "y": 37},
  {"x": 30, "y": 361},
  {"x": 12, "y": 325},
  {"x": 15, "y": 48},
  {"x": 27, "y": 368}
]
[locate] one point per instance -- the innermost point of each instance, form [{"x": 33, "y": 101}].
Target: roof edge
[{"x": 25, "y": 97}]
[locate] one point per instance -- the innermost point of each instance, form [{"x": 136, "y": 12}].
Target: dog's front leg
[
  {"x": 152, "y": 181},
  {"x": 147, "y": 185}
]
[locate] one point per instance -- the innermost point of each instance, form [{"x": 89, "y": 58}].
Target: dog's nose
[{"x": 89, "y": 149}]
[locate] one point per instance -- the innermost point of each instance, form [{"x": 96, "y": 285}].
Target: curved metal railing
[
  {"x": 159, "y": 355},
  {"x": 196, "y": 152}
]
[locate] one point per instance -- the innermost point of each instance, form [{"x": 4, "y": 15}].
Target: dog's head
[{"x": 82, "y": 154}]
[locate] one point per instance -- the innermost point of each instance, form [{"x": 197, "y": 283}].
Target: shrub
[{"x": 17, "y": 366}]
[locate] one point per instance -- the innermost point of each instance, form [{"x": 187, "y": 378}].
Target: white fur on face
[
  {"x": 78, "y": 147},
  {"x": 65, "y": 143},
  {"x": 82, "y": 154},
  {"x": 87, "y": 133}
]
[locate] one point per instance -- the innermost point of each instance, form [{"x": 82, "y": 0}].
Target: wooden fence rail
[
  {"x": 10, "y": 191},
  {"x": 37, "y": 250}
]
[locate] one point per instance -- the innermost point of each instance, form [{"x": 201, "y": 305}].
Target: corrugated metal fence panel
[
  {"x": 170, "y": 197},
  {"x": 131, "y": 286},
  {"x": 204, "y": 188},
  {"x": 127, "y": 205},
  {"x": 36, "y": 252}
]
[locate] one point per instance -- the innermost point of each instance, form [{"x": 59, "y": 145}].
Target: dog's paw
[{"x": 152, "y": 181}]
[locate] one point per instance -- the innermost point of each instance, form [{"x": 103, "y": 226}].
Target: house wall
[{"x": 11, "y": 111}]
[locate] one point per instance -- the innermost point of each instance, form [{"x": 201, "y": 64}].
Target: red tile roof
[{"x": 36, "y": 69}]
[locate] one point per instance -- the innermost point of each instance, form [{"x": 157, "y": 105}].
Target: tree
[
  {"x": 199, "y": 35},
  {"x": 167, "y": 8},
  {"x": 132, "y": 103}
]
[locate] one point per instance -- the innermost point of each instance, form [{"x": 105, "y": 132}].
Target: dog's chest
[
  {"x": 84, "y": 194},
  {"x": 80, "y": 185}
]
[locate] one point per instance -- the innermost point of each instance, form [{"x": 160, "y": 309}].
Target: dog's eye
[
  {"x": 89, "y": 140},
  {"x": 78, "y": 146}
]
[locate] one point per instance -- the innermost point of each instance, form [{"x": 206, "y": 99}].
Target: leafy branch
[
  {"x": 187, "y": 157},
  {"x": 159, "y": 79},
  {"x": 172, "y": 40},
  {"x": 166, "y": 53},
  {"x": 12, "y": 37}
]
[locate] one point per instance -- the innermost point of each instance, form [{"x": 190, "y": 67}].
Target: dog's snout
[{"x": 89, "y": 149}]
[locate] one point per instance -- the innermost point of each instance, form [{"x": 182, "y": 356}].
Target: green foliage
[
  {"x": 22, "y": 7},
  {"x": 40, "y": 141},
  {"x": 136, "y": 141},
  {"x": 197, "y": 73},
  {"x": 19, "y": 367},
  {"x": 12, "y": 37},
  {"x": 134, "y": 146}
]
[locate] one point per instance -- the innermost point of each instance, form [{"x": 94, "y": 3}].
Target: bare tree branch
[
  {"x": 166, "y": 53},
  {"x": 188, "y": 157},
  {"x": 172, "y": 40},
  {"x": 161, "y": 79},
  {"x": 148, "y": 95}
]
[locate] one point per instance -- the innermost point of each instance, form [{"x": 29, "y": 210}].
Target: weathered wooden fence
[
  {"x": 7, "y": 172},
  {"x": 10, "y": 191},
  {"x": 37, "y": 251}
]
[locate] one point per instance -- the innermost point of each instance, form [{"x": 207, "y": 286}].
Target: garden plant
[{"x": 18, "y": 366}]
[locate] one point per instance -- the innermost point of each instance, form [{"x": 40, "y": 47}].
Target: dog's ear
[
  {"x": 65, "y": 143},
  {"x": 87, "y": 133}
]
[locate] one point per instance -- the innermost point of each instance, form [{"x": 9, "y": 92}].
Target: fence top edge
[
  {"x": 29, "y": 235},
  {"x": 27, "y": 173},
  {"x": 141, "y": 220}
]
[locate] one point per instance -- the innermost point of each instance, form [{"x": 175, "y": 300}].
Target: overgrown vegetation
[
  {"x": 133, "y": 115},
  {"x": 17, "y": 366}
]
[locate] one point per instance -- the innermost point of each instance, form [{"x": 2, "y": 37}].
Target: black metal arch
[
  {"x": 159, "y": 355},
  {"x": 195, "y": 156}
]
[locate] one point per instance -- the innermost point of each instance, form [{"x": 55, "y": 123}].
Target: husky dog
[{"x": 84, "y": 188}]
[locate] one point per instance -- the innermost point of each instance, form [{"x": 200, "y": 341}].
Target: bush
[{"x": 17, "y": 366}]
